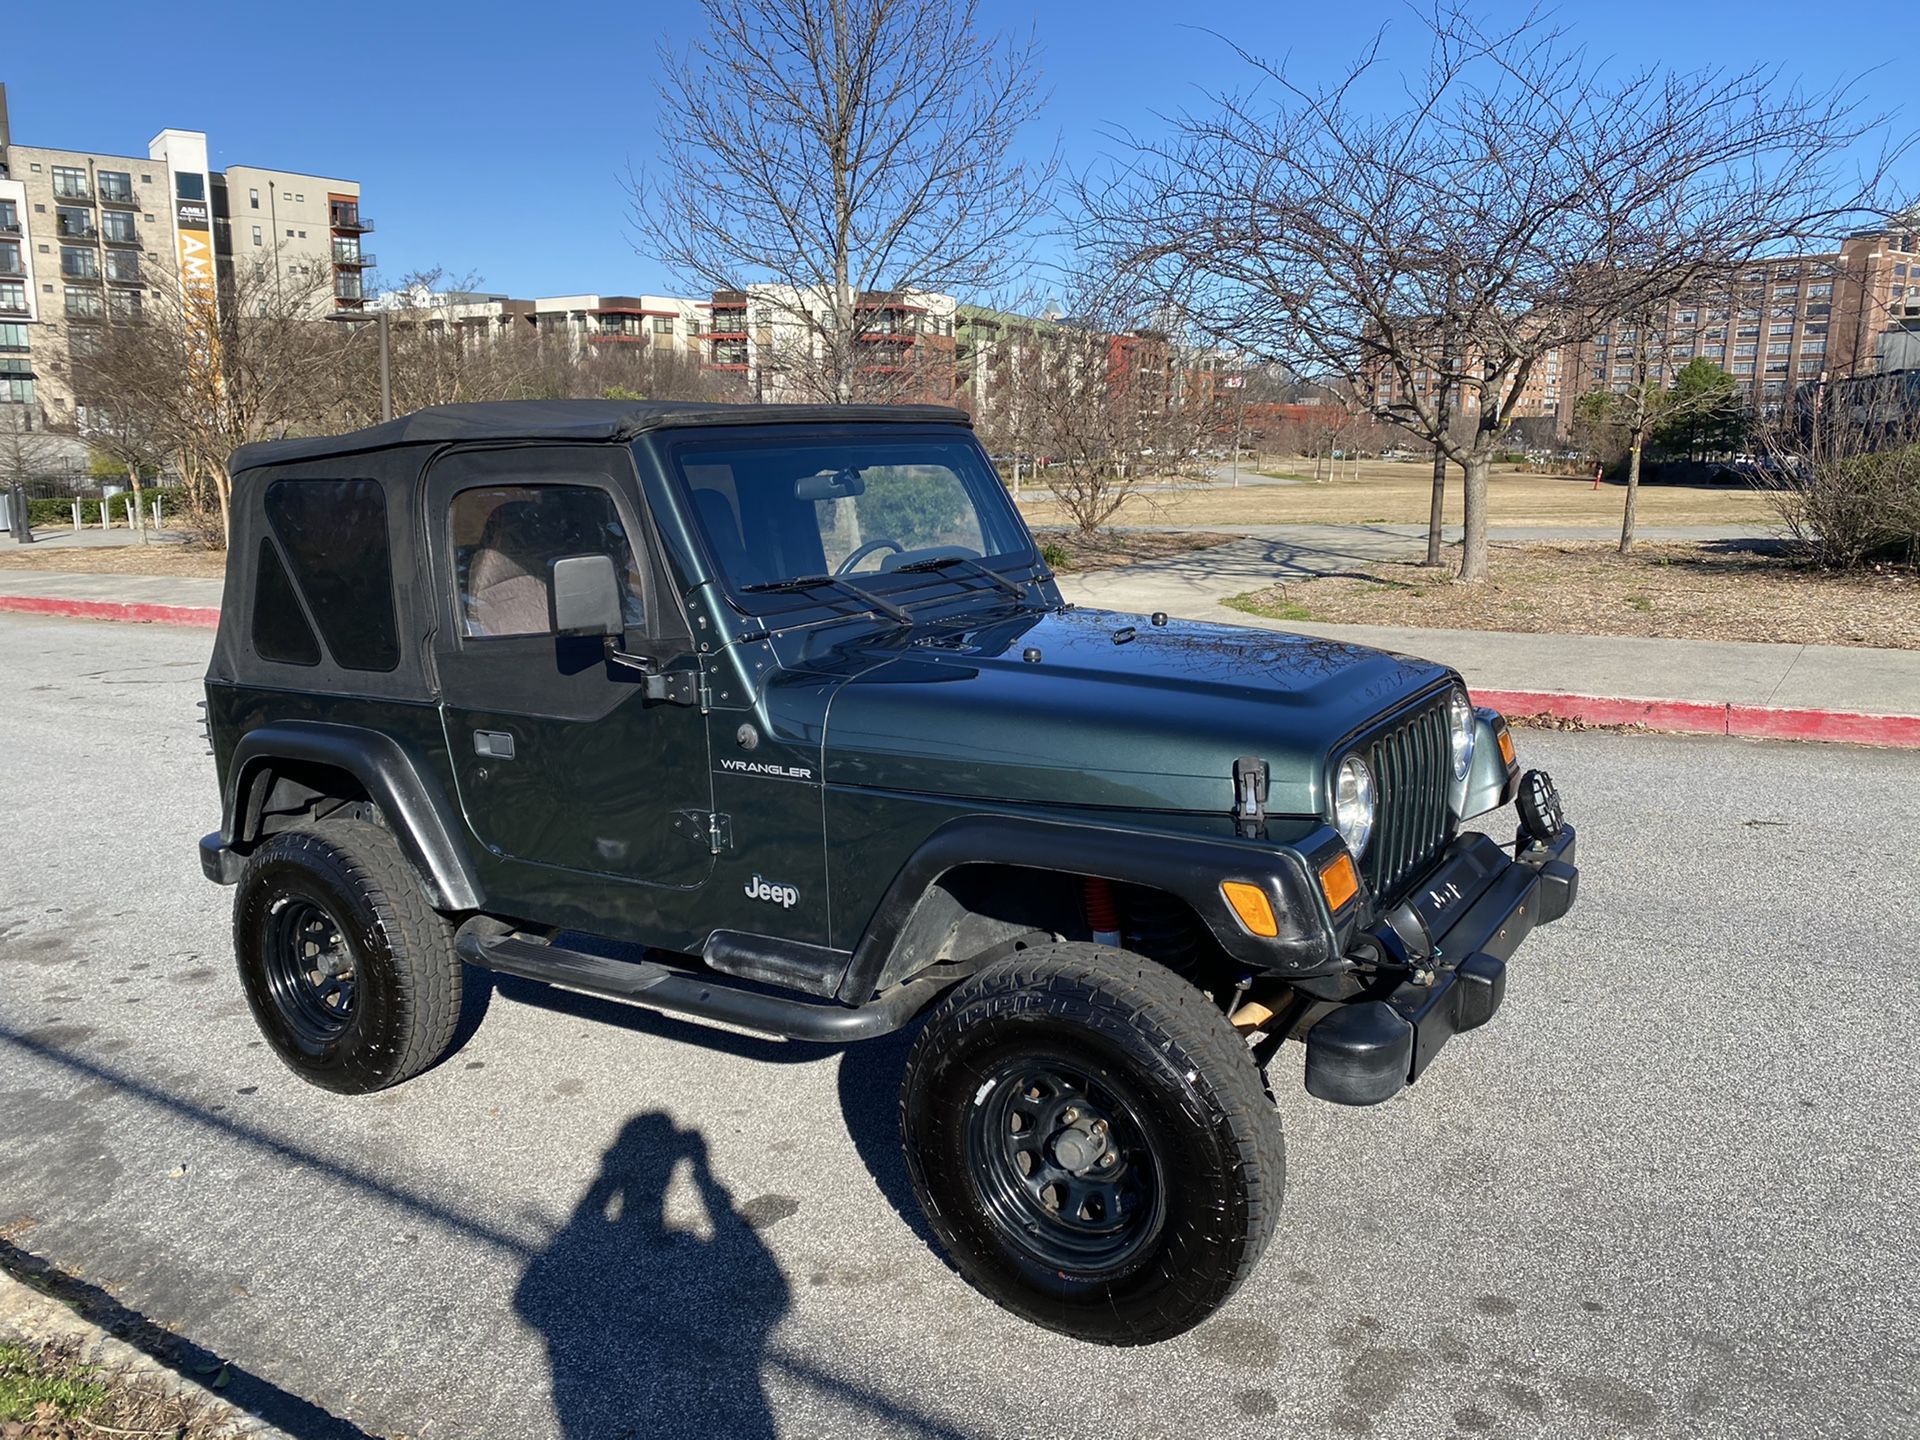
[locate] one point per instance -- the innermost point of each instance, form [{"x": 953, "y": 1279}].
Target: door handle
[{"x": 494, "y": 744}]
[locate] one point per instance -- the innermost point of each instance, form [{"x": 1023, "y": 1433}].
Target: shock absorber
[{"x": 1103, "y": 917}]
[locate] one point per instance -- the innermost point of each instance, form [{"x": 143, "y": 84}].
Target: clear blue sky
[{"x": 491, "y": 138}]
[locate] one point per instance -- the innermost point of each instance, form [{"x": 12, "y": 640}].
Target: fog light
[{"x": 1539, "y": 805}]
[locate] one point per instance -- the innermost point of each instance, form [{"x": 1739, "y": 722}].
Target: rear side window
[
  {"x": 505, "y": 540},
  {"x": 280, "y": 631},
  {"x": 334, "y": 533}
]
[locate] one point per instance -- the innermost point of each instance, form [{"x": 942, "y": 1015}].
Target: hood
[{"x": 1151, "y": 722}]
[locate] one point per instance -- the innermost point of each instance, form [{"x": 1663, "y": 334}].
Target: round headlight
[
  {"x": 1460, "y": 719},
  {"x": 1353, "y": 804}
]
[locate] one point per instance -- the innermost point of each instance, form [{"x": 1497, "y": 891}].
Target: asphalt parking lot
[{"x": 1670, "y": 1191}]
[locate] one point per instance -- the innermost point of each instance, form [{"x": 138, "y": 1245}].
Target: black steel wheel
[
  {"x": 1063, "y": 1165},
  {"x": 350, "y": 973},
  {"x": 1092, "y": 1143},
  {"x": 309, "y": 969}
]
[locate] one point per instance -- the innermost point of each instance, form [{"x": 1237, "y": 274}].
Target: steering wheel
[{"x": 845, "y": 567}]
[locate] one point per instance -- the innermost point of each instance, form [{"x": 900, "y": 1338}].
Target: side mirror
[{"x": 585, "y": 596}]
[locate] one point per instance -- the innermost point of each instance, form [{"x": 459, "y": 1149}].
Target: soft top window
[{"x": 334, "y": 535}]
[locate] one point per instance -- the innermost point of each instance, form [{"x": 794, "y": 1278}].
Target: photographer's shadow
[{"x": 654, "y": 1331}]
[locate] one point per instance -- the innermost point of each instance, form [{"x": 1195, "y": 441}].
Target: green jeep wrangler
[{"x": 774, "y": 716}]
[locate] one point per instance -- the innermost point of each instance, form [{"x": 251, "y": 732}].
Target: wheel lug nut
[
  {"x": 1099, "y": 1127},
  {"x": 1069, "y": 1115},
  {"x": 1107, "y": 1158}
]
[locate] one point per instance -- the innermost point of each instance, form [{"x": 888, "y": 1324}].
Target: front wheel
[{"x": 1092, "y": 1143}]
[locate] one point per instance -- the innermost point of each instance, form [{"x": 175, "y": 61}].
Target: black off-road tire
[
  {"x": 347, "y": 883},
  {"x": 1162, "y": 1065}
]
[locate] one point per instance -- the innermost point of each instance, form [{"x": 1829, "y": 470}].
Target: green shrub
[
  {"x": 58, "y": 510},
  {"x": 1056, "y": 555}
]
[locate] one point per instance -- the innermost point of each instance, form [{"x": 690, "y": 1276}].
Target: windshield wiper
[
  {"x": 967, "y": 562},
  {"x": 834, "y": 582}
]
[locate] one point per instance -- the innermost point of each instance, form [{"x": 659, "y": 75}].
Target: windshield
[{"x": 784, "y": 506}]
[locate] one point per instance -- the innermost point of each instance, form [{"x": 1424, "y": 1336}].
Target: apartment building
[
  {"x": 766, "y": 335},
  {"x": 1774, "y": 327},
  {"x": 1542, "y": 394},
  {"x": 86, "y": 236},
  {"x": 659, "y": 322}
]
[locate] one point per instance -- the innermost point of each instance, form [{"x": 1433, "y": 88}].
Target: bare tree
[
  {"x": 26, "y": 453},
  {"x": 202, "y": 370},
  {"x": 1518, "y": 196},
  {"x": 836, "y": 149},
  {"x": 1631, "y": 410}
]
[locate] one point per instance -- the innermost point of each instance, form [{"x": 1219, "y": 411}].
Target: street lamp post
[{"x": 383, "y": 321}]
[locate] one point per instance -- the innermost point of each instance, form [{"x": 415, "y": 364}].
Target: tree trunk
[
  {"x": 1633, "y": 496},
  {"x": 1437, "y": 512},
  {"x": 1473, "y": 547},
  {"x": 139, "y": 502}
]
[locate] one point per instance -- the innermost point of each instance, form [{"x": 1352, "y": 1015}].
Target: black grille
[{"x": 1412, "y": 769}]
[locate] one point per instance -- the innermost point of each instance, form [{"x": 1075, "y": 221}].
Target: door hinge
[
  {"x": 705, "y": 827},
  {"x": 705, "y": 692}
]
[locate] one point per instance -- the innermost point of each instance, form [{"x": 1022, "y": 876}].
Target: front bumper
[{"x": 1451, "y": 940}]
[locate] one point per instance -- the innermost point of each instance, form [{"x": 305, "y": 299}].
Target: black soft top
[{"x": 607, "y": 420}]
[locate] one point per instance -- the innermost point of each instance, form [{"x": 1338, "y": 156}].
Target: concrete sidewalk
[{"x": 1717, "y": 687}]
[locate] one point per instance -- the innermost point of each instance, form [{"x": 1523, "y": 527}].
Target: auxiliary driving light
[{"x": 1539, "y": 805}]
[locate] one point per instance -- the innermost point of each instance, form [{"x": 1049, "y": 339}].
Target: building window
[
  {"x": 663, "y": 325},
  {"x": 10, "y": 261},
  {"x": 1813, "y": 347},
  {"x": 119, "y": 229},
  {"x": 16, "y": 389},
  {"x": 256, "y": 236},
  {"x": 1820, "y": 292},
  {"x": 1785, "y": 347},
  {"x": 1819, "y": 312},
  {"x": 124, "y": 304},
  {"x": 70, "y": 224},
  {"x": 1899, "y": 272},
  {"x": 13, "y": 337},
  {"x": 84, "y": 305},
  {"x": 70, "y": 183},
  {"x": 116, "y": 185},
  {"x": 1784, "y": 312},
  {"x": 253, "y": 199},
  {"x": 79, "y": 263},
  {"x": 124, "y": 266},
  {"x": 1810, "y": 364},
  {"x": 1743, "y": 350},
  {"x": 9, "y": 216},
  {"x": 289, "y": 234},
  {"x": 13, "y": 296}
]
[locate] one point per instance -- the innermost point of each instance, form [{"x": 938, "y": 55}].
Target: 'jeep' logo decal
[
  {"x": 785, "y": 896},
  {"x": 755, "y": 767}
]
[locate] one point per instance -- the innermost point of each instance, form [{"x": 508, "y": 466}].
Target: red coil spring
[{"x": 1102, "y": 915}]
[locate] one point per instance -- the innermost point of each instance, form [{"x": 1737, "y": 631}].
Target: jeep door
[{"x": 561, "y": 760}]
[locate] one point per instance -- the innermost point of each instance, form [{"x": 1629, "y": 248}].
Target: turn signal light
[
  {"x": 1339, "y": 882},
  {"x": 1506, "y": 746},
  {"x": 1250, "y": 903}
]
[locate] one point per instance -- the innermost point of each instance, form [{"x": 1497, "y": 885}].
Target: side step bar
[{"x": 658, "y": 987}]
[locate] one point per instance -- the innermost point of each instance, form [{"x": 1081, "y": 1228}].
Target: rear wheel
[
  {"x": 350, "y": 973},
  {"x": 1092, "y": 1143}
]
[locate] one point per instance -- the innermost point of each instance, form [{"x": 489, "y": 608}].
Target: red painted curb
[
  {"x": 195, "y": 615},
  {"x": 1702, "y": 717}
]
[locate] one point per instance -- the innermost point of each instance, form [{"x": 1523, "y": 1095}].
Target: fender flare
[
  {"x": 1190, "y": 867},
  {"x": 422, "y": 821}
]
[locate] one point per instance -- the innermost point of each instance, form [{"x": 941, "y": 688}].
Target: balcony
[
  {"x": 128, "y": 201},
  {"x": 125, "y": 242},
  {"x": 76, "y": 232},
  {"x": 80, "y": 277},
  {"x": 73, "y": 194},
  {"x": 351, "y": 221},
  {"x": 9, "y": 227},
  {"x": 13, "y": 269},
  {"x": 14, "y": 308},
  {"x": 133, "y": 279},
  {"x": 359, "y": 260}
]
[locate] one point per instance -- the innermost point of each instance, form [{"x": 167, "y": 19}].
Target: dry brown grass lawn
[
  {"x": 1395, "y": 493},
  {"x": 114, "y": 559},
  {"x": 1690, "y": 592},
  {"x": 1111, "y": 549}
]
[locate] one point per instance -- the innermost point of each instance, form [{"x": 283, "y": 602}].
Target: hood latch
[{"x": 1250, "y": 796}]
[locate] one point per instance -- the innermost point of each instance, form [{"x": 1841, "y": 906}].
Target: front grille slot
[{"x": 1411, "y": 772}]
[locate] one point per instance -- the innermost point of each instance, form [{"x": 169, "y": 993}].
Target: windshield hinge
[
  {"x": 719, "y": 832},
  {"x": 704, "y": 690},
  {"x": 1250, "y": 796}
]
